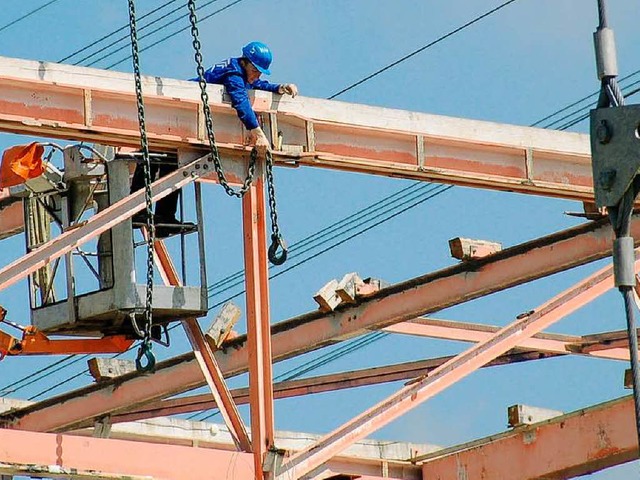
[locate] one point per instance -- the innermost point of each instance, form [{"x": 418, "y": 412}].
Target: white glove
[
  {"x": 289, "y": 89},
  {"x": 258, "y": 139}
]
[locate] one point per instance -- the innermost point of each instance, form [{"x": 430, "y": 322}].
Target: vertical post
[{"x": 258, "y": 323}]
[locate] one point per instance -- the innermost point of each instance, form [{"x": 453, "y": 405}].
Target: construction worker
[{"x": 238, "y": 75}]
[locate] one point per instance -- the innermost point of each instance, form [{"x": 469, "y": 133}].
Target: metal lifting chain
[
  {"x": 207, "y": 115},
  {"x": 277, "y": 241},
  {"x": 145, "y": 347}
]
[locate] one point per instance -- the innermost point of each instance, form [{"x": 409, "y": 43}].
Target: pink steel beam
[
  {"x": 98, "y": 223},
  {"x": 50, "y": 455},
  {"x": 63, "y": 101},
  {"x": 258, "y": 324},
  {"x": 442, "y": 377},
  {"x": 475, "y": 332},
  {"x": 309, "y": 386},
  {"x": 568, "y": 446},
  {"x": 397, "y": 303},
  {"x": 206, "y": 359}
]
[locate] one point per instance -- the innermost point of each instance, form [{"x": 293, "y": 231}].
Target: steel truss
[{"x": 61, "y": 101}]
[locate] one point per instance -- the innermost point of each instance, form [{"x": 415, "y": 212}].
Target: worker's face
[{"x": 252, "y": 72}]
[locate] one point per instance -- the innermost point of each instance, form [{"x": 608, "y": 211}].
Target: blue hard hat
[{"x": 258, "y": 54}]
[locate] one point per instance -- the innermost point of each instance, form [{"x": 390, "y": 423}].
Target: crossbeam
[
  {"x": 63, "y": 101},
  {"x": 446, "y": 375},
  {"x": 400, "y": 302},
  {"x": 611, "y": 345},
  {"x": 320, "y": 384},
  {"x": 568, "y": 446},
  {"x": 68, "y": 456}
]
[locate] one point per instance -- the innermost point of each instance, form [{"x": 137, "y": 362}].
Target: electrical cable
[
  {"x": 166, "y": 37},
  {"x": 331, "y": 229},
  {"x": 33, "y": 397},
  {"x": 314, "y": 364},
  {"x": 7, "y": 389},
  {"x": 126, "y": 36},
  {"x": 411, "y": 204},
  {"x": 27, "y": 15},
  {"x": 421, "y": 49},
  {"x": 114, "y": 32},
  {"x": 585, "y": 116}
]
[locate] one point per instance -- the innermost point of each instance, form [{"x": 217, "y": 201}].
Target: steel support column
[
  {"x": 258, "y": 323},
  {"x": 442, "y": 377}
]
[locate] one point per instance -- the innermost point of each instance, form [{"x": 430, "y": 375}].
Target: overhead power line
[
  {"x": 122, "y": 28},
  {"x": 167, "y": 37},
  {"x": 27, "y": 15},
  {"x": 423, "y": 48}
]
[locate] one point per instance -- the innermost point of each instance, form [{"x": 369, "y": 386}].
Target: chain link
[
  {"x": 276, "y": 238},
  {"x": 215, "y": 156},
  {"x": 277, "y": 241},
  {"x": 145, "y": 347}
]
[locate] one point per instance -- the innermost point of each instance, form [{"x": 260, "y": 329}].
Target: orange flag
[{"x": 20, "y": 163}]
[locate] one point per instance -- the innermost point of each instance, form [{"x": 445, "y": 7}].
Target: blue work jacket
[{"x": 230, "y": 74}]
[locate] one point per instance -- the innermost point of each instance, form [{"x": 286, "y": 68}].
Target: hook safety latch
[
  {"x": 277, "y": 242},
  {"x": 145, "y": 351}
]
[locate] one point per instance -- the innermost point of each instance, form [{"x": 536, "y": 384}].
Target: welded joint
[
  {"x": 273, "y": 460},
  {"x": 102, "y": 427},
  {"x": 420, "y": 153},
  {"x": 528, "y": 164},
  {"x": 311, "y": 136},
  {"x": 88, "y": 110}
]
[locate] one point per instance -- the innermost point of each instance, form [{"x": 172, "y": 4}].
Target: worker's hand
[
  {"x": 258, "y": 139},
  {"x": 289, "y": 89}
]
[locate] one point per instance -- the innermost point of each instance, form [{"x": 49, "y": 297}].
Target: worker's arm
[
  {"x": 281, "y": 88},
  {"x": 266, "y": 86},
  {"x": 236, "y": 89}
]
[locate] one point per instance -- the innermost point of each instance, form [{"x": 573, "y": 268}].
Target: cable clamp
[
  {"x": 623, "y": 262},
  {"x": 605, "y": 46}
]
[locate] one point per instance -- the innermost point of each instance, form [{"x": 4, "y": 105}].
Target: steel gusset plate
[{"x": 615, "y": 151}]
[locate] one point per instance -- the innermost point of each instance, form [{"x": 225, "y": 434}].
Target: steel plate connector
[{"x": 615, "y": 152}]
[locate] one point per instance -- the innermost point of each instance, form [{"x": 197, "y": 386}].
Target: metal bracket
[{"x": 615, "y": 151}]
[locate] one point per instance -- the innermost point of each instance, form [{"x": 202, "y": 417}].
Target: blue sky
[{"x": 516, "y": 66}]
